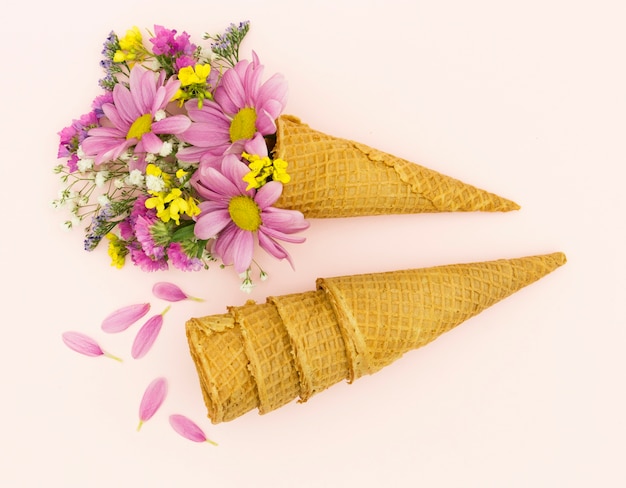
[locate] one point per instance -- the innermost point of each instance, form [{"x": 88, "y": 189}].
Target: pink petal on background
[
  {"x": 171, "y": 292},
  {"x": 84, "y": 344},
  {"x": 147, "y": 335},
  {"x": 122, "y": 318},
  {"x": 152, "y": 399},
  {"x": 188, "y": 429}
]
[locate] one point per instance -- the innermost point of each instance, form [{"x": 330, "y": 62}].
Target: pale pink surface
[{"x": 522, "y": 99}]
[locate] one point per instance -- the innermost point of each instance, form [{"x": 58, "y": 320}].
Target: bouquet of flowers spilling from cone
[
  {"x": 186, "y": 158},
  {"x": 263, "y": 356}
]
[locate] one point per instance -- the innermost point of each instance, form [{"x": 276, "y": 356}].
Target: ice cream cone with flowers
[{"x": 187, "y": 158}]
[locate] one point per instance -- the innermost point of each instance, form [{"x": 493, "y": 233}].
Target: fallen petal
[
  {"x": 121, "y": 319},
  {"x": 147, "y": 335},
  {"x": 152, "y": 399},
  {"x": 188, "y": 429},
  {"x": 171, "y": 292},
  {"x": 84, "y": 344}
]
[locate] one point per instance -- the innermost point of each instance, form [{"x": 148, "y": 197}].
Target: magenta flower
[
  {"x": 137, "y": 118},
  {"x": 166, "y": 42},
  {"x": 152, "y": 400},
  {"x": 181, "y": 260},
  {"x": 72, "y": 136},
  {"x": 171, "y": 292},
  {"x": 235, "y": 215},
  {"x": 122, "y": 318},
  {"x": 147, "y": 335},
  {"x": 84, "y": 344},
  {"x": 242, "y": 108},
  {"x": 188, "y": 429}
]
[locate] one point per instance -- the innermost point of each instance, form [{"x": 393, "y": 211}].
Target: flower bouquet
[{"x": 187, "y": 159}]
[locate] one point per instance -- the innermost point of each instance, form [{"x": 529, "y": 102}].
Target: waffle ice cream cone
[
  {"x": 334, "y": 177},
  {"x": 294, "y": 346}
]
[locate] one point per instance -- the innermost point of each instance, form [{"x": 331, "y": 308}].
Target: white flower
[
  {"x": 135, "y": 178},
  {"x": 104, "y": 200},
  {"x": 150, "y": 158},
  {"x": 154, "y": 183},
  {"x": 118, "y": 183},
  {"x": 84, "y": 164},
  {"x": 159, "y": 115},
  {"x": 70, "y": 224},
  {"x": 166, "y": 149},
  {"x": 101, "y": 178}
]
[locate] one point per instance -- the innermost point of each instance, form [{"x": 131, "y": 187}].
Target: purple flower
[
  {"x": 235, "y": 215},
  {"x": 72, "y": 136},
  {"x": 166, "y": 42},
  {"x": 181, "y": 260},
  {"x": 242, "y": 107},
  {"x": 135, "y": 120}
]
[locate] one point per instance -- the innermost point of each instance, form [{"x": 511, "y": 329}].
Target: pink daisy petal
[
  {"x": 84, "y": 344},
  {"x": 211, "y": 224},
  {"x": 272, "y": 247},
  {"x": 171, "y": 292},
  {"x": 243, "y": 249},
  {"x": 147, "y": 335},
  {"x": 122, "y": 318},
  {"x": 188, "y": 429},
  {"x": 176, "y": 124},
  {"x": 151, "y": 143},
  {"x": 152, "y": 400},
  {"x": 268, "y": 194}
]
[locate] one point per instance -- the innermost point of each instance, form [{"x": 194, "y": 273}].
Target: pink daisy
[
  {"x": 242, "y": 108},
  {"x": 133, "y": 118},
  {"x": 235, "y": 215}
]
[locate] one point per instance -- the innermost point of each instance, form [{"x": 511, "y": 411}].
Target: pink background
[{"x": 524, "y": 99}]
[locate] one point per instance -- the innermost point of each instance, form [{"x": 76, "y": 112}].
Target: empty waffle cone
[
  {"x": 334, "y": 177},
  {"x": 266, "y": 355}
]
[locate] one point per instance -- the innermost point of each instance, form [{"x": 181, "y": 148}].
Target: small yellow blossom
[
  {"x": 131, "y": 47},
  {"x": 170, "y": 206},
  {"x": 264, "y": 169},
  {"x": 194, "y": 76},
  {"x": 117, "y": 250}
]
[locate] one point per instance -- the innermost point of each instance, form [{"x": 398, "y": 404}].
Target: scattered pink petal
[
  {"x": 188, "y": 429},
  {"x": 121, "y": 319},
  {"x": 171, "y": 292},
  {"x": 152, "y": 399},
  {"x": 85, "y": 345},
  {"x": 147, "y": 335}
]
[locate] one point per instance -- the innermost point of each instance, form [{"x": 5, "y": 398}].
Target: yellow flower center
[
  {"x": 245, "y": 213},
  {"x": 141, "y": 126},
  {"x": 243, "y": 125}
]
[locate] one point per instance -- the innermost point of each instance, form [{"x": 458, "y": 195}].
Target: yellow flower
[
  {"x": 117, "y": 250},
  {"x": 194, "y": 76},
  {"x": 170, "y": 206},
  {"x": 264, "y": 169},
  {"x": 131, "y": 47}
]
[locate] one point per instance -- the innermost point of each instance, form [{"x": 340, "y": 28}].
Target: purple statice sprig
[
  {"x": 226, "y": 46},
  {"x": 110, "y": 47}
]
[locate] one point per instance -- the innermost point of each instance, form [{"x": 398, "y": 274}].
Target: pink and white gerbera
[
  {"x": 136, "y": 117},
  {"x": 234, "y": 215},
  {"x": 243, "y": 106}
]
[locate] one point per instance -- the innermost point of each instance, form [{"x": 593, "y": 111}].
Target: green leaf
[{"x": 183, "y": 233}]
